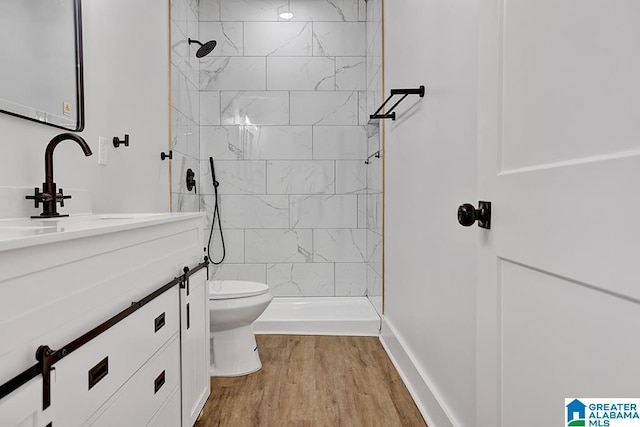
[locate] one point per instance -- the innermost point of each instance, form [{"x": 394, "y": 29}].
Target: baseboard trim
[{"x": 425, "y": 396}]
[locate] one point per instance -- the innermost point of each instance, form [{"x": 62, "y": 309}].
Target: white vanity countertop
[{"x": 23, "y": 232}]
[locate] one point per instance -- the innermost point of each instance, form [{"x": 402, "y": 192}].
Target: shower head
[{"x": 204, "y": 49}]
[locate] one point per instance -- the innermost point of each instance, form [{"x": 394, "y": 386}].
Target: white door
[{"x": 559, "y": 157}]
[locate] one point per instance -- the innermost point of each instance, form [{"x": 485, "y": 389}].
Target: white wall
[
  {"x": 126, "y": 91},
  {"x": 430, "y": 155}
]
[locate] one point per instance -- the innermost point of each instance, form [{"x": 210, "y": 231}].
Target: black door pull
[{"x": 467, "y": 215}]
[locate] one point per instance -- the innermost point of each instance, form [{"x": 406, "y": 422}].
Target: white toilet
[{"x": 233, "y": 306}]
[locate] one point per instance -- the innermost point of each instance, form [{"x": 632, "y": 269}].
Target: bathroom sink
[
  {"x": 25, "y": 227},
  {"x": 129, "y": 216},
  {"x": 24, "y": 224},
  {"x": 22, "y": 232}
]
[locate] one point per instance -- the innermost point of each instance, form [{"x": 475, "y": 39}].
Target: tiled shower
[{"x": 282, "y": 106}]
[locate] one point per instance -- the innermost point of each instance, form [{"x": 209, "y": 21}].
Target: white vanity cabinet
[
  {"x": 63, "y": 280},
  {"x": 24, "y": 406}
]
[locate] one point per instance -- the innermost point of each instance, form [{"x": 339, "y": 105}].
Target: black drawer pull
[
  {"x": 159, "y": 382},
  {"x": 159, "y": 322},
  {"x": 98, "y": 372}
]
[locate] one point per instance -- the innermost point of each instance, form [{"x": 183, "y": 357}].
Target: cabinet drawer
[
  {"x": 145, "y": 393},
  {"x": 85, "y": 379},
  {"x": 169, "y": 414}
]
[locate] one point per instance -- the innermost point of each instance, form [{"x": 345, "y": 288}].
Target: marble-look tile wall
[
  {"x": 185, "y": 104},
  {"x": 283, "y": 111},
  {"x": 374, "y": 184}
]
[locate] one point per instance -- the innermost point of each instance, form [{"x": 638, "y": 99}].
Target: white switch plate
[{"x": 103, "y": 145}]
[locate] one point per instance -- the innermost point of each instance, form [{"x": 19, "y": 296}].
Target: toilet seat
[{"x": 230, "y": 289}]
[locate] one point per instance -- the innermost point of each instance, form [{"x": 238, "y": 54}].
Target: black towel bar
[{"x": 404, "y": 92}]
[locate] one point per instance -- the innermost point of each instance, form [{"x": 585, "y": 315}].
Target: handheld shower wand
[{"x": 216, "y": 214}]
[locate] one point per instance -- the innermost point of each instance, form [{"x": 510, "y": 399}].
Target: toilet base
[{"x": 234, "y": 353}]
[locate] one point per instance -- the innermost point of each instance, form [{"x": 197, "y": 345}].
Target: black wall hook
[
  {"x": 164, "y": 155},
  {"x": 117, "y": 141}
]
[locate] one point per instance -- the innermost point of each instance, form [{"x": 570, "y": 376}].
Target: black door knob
[{"x": 468, "y": 215}]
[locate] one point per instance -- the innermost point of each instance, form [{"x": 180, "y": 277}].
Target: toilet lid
[{"x": 227, "y": 289}]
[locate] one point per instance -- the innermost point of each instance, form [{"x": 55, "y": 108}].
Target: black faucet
[{"x": 50, "y": 197}]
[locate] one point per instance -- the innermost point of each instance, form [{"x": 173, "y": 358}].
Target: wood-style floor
[{"x": 314, "y": 381}]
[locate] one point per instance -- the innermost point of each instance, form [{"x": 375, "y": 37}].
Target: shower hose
[{"x": 216, "y": 216}]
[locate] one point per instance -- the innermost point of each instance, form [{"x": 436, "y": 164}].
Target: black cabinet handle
[
  {"x": 159, "y": 382},
  {"x": 159, "y": 322},
  {"x": 188, "y": 317},
  {"x": 98, "y": 372}
]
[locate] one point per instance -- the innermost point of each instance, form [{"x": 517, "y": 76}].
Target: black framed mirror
[{"x": 41, "y": 55}]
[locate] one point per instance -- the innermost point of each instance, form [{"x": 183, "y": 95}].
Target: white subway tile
[
  {"x": 278, "y": 142},
  {"x": 363, "y": 111},
  {"x": 319, "y": 10},
  {"x": 301, "y": 279},
  {"x": 249, "y": 211},
  {"x": 339, "y": 142},
  {"x": 374, "y": 77},
  {"x": 273, "y": 246},
  {"x": 351, "y": 177},
  {"x": 184, "y": 95},
  {"x": 251, "y": 10},
  {"x": 248, "y": 272},
  {"x": 374, "y": 212},
  {"x": 362, "y": 210},
  {"x": 233, "y": 239},
  {"x": 287, "y": 73},
  {"x": 374, "y": 283},
  {"x": 351, "y": 73},
  {"x": 362, "y": 10},
  {"x": 339, "y": 39},
  {"x": 209, "y": 10},
  {"x": 179, "y": 14},
  {"x": 233, "y": 73},
  {"x": 335, "y": 211},
  {"x": 181, "y": 164},
  {"x": 209, "y": 108},
  {"x": 374, "y": 251},
  {"x": 235, "y": 177},
  {"x": 228, "y": 36},
  {"x": 351, "y": 279},
  {"x": 374, "y": 176},
  {"x": 340, "y": 245},
  {"x": 300, "y": 177},
  {"x": 277, "y": 39},
  {"x": 221, "y": 143},
  {"x": 324, "y": 108},
  {"x": 254, "y": 108},
  {"x": 184, "y": 135},
  {"x": 181, "y": 202}
]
